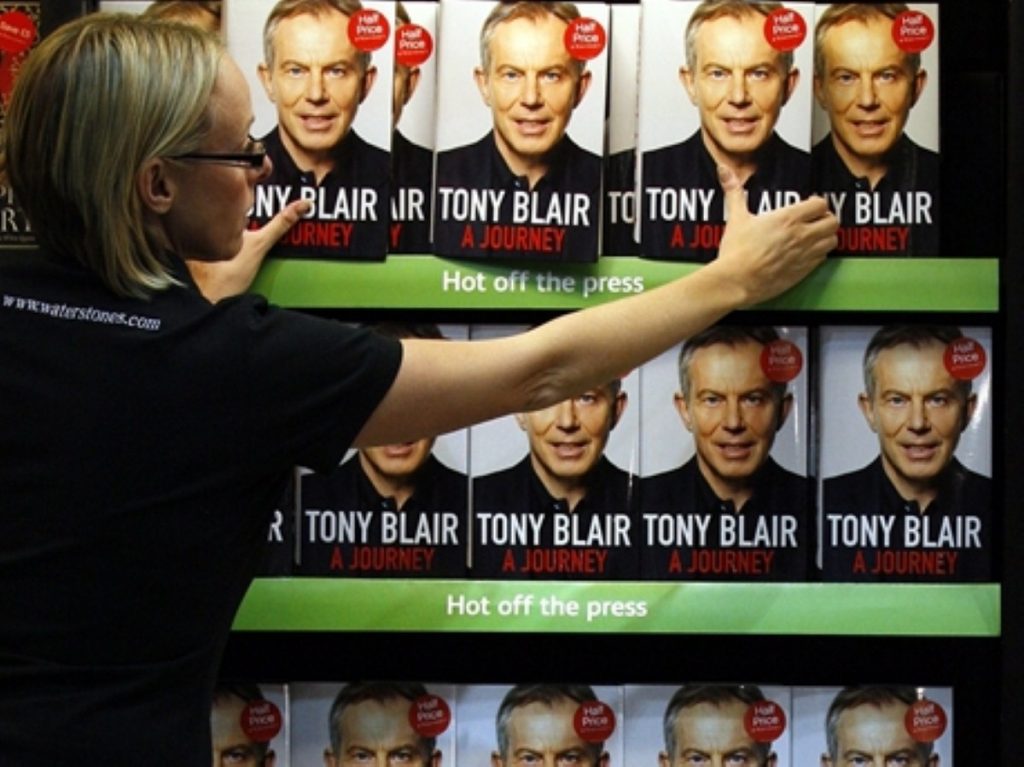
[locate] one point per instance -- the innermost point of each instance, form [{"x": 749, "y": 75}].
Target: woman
[{"x": 147, "y": 432}]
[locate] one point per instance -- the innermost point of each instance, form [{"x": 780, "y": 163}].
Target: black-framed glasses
[{"x": 251, "y": 159}]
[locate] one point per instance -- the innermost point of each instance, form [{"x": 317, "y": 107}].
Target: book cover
[
  {"x": 554, "y": 490},
  {"x": 520, "y": 135},
  {"x": 876, "y": 126},
  {"x": 725, "y": 491},
  {"x": 390, "y": 511},
  {"x": 552, "y": 723},
  {"x": 322, "y": 108},
  {"x": 618, "y": 234},
  {"x": 412, "y": 139},
  {"x": 281, "y": 540},
  {"x": 372, "y": 722},
  {"x": 906, "y": 453},
  {"x": 703, "y": 723},
  {"x": 249, "y": 724},
  {"x": 720, "y": 86},
  {"x": 873, "y": 724}
]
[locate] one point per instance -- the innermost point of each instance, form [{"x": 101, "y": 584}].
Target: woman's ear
[{"x": 156, "y": 189}]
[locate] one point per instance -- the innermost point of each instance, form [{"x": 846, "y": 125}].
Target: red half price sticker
[
  {"x": 764, "y": 721},
  {"x": 17, "y": 31},
  {"x": 594, "y": 721},
  {"x": 785, "y": 29},
  {"x": 913, "y": 31},
  {"x": 925, "y": 721},
  {"x": 429, "y": 715},
  {"x": 585, "y": 39},
  {"x": 261, "y": 721},
  {"x": 413, "y": 45},
  {"x": 781, "y": 360},
  {"x": 368, "y": 29},
  {"x": 964, "y": 358}
]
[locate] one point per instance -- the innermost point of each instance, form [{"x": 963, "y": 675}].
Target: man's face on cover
[
  {"x": 713, "y": 735},
  {"x": 738, "y": 85},
  {"x": 404, "y": 85},
  {"x": 378, "y": 734},
  {"x": 317, "y": 83},
  {"x": 567, "y": 439},
  {"x": 731, "y": 411},
  {"x": 867, "y": 88},
  {"x": 876, "y": 736},
  {"x": 231, "y": 746},
  {"x": 542, "y": 735},
  {"x": 399, "y": 460},
  {"x": 917, "y": 413},
  {"x": 532, "y": 86}
]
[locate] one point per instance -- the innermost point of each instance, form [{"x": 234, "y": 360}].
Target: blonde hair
[
  {"x": 97, "y": 99},
  {"x": 203, "y": 14}
]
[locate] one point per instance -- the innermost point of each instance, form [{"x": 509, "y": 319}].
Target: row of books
[
  {"x": 417, "y": 724},
  {"x": 557, "y": 132},
  {"x": 749, "y": 453}
]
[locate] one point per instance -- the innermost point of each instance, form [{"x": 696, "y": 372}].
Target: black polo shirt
[
  {"x": 870, "y": 533},
  {"x": 898, "y": 217},
  {"x": 351, "y": 203},
  {"x": 594, "y": 541},
  {"x": 412, "y": 175},
  {"x": 682, "y": 203},
  {"x": 691, "y": 534},
  {"x": 366, "y": 534},
  {"x": 146, "y": 443},
  {"x": 557, "y": 220}
]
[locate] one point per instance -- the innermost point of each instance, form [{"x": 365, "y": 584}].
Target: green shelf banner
[
  {"x": 329, "y": 604},
  {"x": 429, "y": 282}
]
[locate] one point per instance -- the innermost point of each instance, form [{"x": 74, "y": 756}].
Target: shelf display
[
  {"x": 424, "y": 725},
  {"x": 964, "y": 285}
]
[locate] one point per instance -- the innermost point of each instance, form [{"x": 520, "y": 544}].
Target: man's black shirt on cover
[
  {"x": 620, "y": 200},
  {"x": 571, "y": 188},
  {"x": 870, "y": 533},
  {"x": 899, "y": 217},
  {"x": 280, "y": 557},
  {"x": 351, "y": 203},
  {"x": 609, "y": 504},
  {"x": 768, "y": 539},
  {"x": 783, "y": 176},
  {"x": 432, "y": 522},
  {"x": 412, "y": 173}
]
